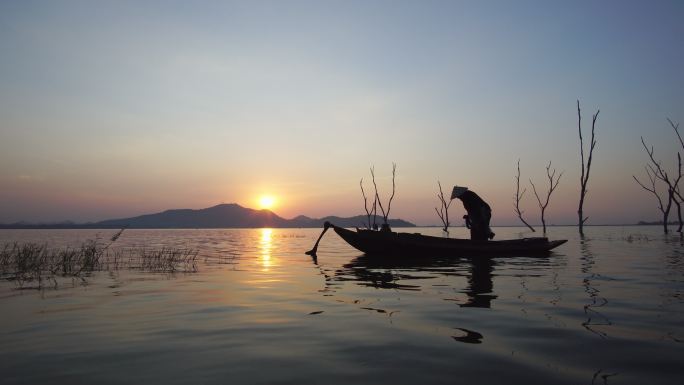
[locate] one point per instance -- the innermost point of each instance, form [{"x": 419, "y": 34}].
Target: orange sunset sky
[{"x": 115, "y": 109}]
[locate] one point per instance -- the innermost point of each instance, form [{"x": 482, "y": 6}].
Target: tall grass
[{"x": 29, "y": 262}]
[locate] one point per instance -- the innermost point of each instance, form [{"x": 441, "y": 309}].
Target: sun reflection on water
[{"x": 265, "y": 247}]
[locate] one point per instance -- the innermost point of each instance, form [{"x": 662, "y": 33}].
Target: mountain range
[{"x": 220, "y": 216}]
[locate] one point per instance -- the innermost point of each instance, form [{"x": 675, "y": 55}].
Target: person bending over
[{"x": 479, "y": 213}]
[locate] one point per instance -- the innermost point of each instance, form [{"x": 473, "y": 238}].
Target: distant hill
[
  {"x": 658, "y": 223},
  {"x": 224, "y": 215},
  {"x": 220, "y": 216}
]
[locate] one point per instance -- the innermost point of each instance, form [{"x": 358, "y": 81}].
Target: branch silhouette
[
  {"x": 518, "y": 198},
  {"x": 553, "y": 183},
  {"x": 443, "y": 211},
  {"x": 584, "y": 177}
]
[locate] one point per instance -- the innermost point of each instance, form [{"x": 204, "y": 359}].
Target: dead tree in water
[
  {"x": 678, "y": 199},
  {"x": 676, "y": 195},
  {"x": 656, "y": 171},
  {"x": 443, "y": 211},
  {"x": 664, "y": 208},
  {"x": 385, "y": 214},
  {"x": 584, "y": 177},
  {"x": 373, "y": 209},
  {"x": 518, "y": 197},
  {"x": 552, "y": 186}
]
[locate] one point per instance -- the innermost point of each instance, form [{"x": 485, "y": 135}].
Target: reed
[{"x": 29, "y": 262}]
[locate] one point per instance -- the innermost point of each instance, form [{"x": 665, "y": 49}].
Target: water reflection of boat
[
  {"x": 391, "y": 243},
  {"x": 386, "y": 272},
  {"x": 413, "y": 273}
]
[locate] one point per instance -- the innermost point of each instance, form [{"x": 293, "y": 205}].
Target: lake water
[{"x": 605, "y": 309}]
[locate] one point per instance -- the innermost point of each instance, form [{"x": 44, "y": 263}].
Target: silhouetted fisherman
[{"x": 479, "y": 213}]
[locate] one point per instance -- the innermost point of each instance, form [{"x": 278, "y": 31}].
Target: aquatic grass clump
[
  {"x": 167, "y": 259},
  {"x": 636, "y": 238},
  {"x": 24, "y": 261},
  {"x": 28, "y": 262}
]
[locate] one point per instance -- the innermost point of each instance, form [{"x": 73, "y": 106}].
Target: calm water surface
[{"x": 606, "y": 309}]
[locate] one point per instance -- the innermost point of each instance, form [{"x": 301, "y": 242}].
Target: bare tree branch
[
  {"x": 394, "y": 186},
  {"x": 664, "y": 209},
  {"x": 678, "y": 199},
  {"x": 655, "y": 165},
  {"x": 676, "y": 130},
  {"x": 553, "y": 183},
  {"x": 365, "y": 205},
  {"x": 656, "y": 171},
  {"x": 443, "y": 211},
  {"x": 375, "y": 213},
  {"x": 385, "y": 214},
  {"x": 584, "y": 177},
  {"x": 376, "y": 197},
  {"x": 518, "y": 197},
  {"x": 652, "y": 189}
]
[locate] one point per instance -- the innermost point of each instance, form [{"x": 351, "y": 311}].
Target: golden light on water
[{"x": 265, "y": 246}]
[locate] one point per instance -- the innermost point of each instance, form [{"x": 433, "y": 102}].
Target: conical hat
[{"x": 458, "y": 191}]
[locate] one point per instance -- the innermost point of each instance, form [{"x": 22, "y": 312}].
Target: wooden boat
[{"x": 392, "y": 243}]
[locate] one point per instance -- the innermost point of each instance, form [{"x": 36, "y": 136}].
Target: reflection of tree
[
  {"x": 673, "y": 287},
  {"x": 591, "y": 310}
]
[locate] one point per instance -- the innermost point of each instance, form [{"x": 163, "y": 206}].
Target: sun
[{"x": 267, "y": 201}]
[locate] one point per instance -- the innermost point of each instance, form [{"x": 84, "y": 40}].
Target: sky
[{"x": 112, "y": 109}]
